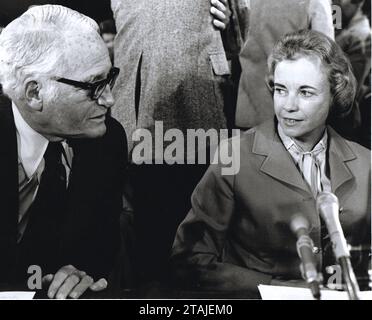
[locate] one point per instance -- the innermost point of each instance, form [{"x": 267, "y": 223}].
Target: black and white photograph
[{"x": 199, "y": 151}]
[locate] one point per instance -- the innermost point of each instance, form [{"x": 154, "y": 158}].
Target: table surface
[{"x": 148, "y": 292}]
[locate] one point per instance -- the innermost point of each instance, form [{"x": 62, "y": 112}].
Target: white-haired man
[{"x": 60, "y": 192}]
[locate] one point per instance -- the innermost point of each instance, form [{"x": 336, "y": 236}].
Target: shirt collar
[
  {"x": 31, "y": 144},
  {"x": 289, "y": 143}
]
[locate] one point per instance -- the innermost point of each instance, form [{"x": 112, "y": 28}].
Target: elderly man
[{"x": 60, "y": 192}]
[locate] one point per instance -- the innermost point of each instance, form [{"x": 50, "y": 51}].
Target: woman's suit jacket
[{"x": 237, "y": 233}]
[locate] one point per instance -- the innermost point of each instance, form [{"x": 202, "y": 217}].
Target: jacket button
[{"x": 316, "y": 250}]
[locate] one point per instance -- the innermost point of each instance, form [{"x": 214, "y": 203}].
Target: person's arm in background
[
  {"x": 356, "y": 43},
  {"x": 197, "y": 254},
  {"x": 231, "y": 17},
  {"x": 321, "y": 19}
]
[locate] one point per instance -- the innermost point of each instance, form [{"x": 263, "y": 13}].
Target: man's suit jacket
[
  {"x": 87, "y": 233},
  {"x": 173, "y": 63},
  {"x": 243, "y": 219}
]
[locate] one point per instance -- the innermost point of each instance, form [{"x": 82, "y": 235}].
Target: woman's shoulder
[
  {"x": 262, "y": 134},
  {"x": 359, "y": 150}
]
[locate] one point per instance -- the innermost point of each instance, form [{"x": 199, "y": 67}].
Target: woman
[{"x": 237, "y": 233}]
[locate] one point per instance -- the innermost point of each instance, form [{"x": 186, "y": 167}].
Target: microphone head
[
  {"x": 327, "y": 205},
  {"x": 328, "y": 208},
  {"x": 299, "y": 222}
]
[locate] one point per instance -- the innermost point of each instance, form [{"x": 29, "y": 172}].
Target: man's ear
[{"x": 32, "y": 94}]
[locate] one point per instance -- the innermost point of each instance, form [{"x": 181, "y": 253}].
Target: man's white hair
[{"x": 33, "y": 44}]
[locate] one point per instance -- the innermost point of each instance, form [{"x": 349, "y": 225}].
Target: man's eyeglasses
[{"x": 96, "y": 88}]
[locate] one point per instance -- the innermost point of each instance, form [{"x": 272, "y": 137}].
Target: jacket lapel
[
  {"x": 278, "y": 163},
  {"x": 8, "y": 179},
  {"x": 339, "y": 154}
]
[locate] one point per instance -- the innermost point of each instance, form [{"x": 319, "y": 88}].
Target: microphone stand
[
  {"x": 349, "y": 277},
  {"x": 305, "y": 246},
  {"x": 315, "y": 289},
  {"x": 309, "y": 272},
  {"x": 328, "y": 207}
]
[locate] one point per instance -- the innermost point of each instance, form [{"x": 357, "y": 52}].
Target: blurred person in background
[
  {"x": 108, "y": 32},
  {"x": 355, "y": 39},
  {"x": 176, "y": 69}
]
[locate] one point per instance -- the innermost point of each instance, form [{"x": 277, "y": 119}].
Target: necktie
[
  {"x": 51, "y": 190},
  {"x": 26, "y": 193},
  {"x": 310, "y": 167},
  {"x": 315, "y": 176},
  {"x": 53, "y": 178}
]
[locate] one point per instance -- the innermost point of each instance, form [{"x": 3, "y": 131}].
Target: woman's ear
[
  {"x": 32, "y": 95},
  {"x": 269, "y": 81}
]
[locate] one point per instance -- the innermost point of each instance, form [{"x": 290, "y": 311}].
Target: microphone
[
  {"x": 328, "y": 208},
  {"x": 300, "y": 227}
]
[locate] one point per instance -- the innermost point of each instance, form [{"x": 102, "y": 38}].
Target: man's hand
[
  {"x": 221, "y": 13},
  {"x": 71, "y": 282}
]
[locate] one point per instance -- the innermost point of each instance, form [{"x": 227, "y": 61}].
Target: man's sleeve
[{"x": 236, "y": 33}]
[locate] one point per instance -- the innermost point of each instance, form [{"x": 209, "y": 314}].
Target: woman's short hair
[{"x": 312, "y": 43}]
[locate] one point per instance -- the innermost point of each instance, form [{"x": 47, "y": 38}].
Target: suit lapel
[
  {"x": 339, "y": 154},
  {"x": 278, "y": 163},
  {"x": 8, "y": 175}
]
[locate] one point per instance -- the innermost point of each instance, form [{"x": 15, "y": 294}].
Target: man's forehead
[
  {"x": 87, "y": 56},
  {"x": 84, "y": 42},
  {"x": 88, "y": 72}
]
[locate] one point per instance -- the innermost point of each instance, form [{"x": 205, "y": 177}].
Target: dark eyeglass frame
[{"x": 96, "y": 88}]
